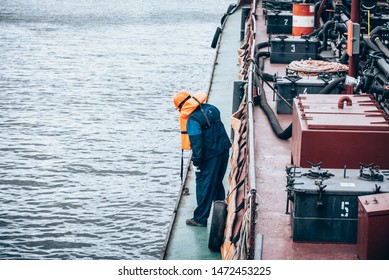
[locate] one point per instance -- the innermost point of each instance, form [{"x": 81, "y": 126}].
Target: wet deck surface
[{"x": 272, "y": 156}]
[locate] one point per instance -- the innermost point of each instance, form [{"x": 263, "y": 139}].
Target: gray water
[{"x": 89, "y": 139}]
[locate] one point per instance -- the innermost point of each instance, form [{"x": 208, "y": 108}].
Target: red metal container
[
  {"x": 360, "y": 105},
  {"x": 334, "y": 98},
  {"x": 373, "y": 227},
  {"x": 337, "y": 136}
]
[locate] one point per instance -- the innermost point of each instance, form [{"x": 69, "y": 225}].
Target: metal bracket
[
  {"x": 370, "y": 172},
  {"x": 316, "y": 172},
  {"x": 325, "y": 77},
  {"x": 282, "y": 38},
  {"x": 321, "y": 187}
]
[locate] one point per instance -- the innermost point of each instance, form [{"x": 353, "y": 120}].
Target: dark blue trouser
[{"x": 209, "y": 185}]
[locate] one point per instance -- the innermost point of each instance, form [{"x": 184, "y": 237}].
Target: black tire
[
  {"x": 218, "y": 224},
  {"x": 216, "y": 37}
]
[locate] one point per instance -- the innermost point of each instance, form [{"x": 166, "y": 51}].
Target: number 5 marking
[{"x": 344, "y": 207}]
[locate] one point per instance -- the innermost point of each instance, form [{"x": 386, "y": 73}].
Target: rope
[{"x": 313, "y": 67}]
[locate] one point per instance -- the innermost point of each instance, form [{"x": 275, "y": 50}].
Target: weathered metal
[
  {"x": 279, "y": 22},
  {"x": 354, "y": 59},
  {"x": 324, "y": 205},
  {"x": 337, "y": 139},
  {"x": 292, "y": 86},
  {"x": 373, "y": 227},
  {"x": 286, "y": 49}
]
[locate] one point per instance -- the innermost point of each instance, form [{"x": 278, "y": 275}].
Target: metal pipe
[
  {"x": 251, "y": 156},
  {"x": 355, "y": 18},
  {"x": 250, "y": 106},
  {"x": 327, "y": 26},
  {"x": 354, "y": 59},
  {"x": 384, "y": 66},
  {"x": 355, "y": 11}
]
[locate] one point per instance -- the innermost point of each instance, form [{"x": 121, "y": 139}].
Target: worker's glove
[{"x": 196, "y": 168}]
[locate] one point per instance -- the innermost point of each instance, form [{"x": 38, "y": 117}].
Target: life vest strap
[
  {"x": 202, "y": 110},
  {"x": 183, "y": 102}
]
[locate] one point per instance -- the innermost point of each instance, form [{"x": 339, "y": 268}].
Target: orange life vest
[{"x": 189, "y": 106}]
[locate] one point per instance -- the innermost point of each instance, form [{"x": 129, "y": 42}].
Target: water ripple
[{"x": 89, "y": 137}]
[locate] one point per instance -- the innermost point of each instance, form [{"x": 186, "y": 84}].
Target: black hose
[
  {"x": 280, "y": 133},
  {"x": 261, "y": 46},
  {"x": 378, "y": 90},
  {"x": 346, "y": 11},
  {"x": 261, "y": 54},
  {"x": 268, "y": 77},
  {"x": 265, "y": 76},
  {"x": 344, "y": 58},
  {"x": 375, "y": 30},
  {"x": 320, "y": 57},
  {"x": 317, "y": 4},
  {"x": 331, "y": 86},
  {"x": 381, "y": 46},
  {"x": 315, "y": 32},
  {"x": 324, "y": 32},
  {"x": 371, "y": 45},
  {"x": 341, "y": 27},
  {"x": 384, "y": 66},
  {"x": 367, "y": 82}
]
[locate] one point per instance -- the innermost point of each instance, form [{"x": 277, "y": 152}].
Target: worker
[{"x": 203, "y": 132}]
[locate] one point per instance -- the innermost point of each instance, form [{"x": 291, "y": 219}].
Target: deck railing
[
  {"x": 242, "y": 201},
  {"x": 251, "y": 146}
]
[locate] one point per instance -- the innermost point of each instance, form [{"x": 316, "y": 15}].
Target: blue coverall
[{"x": 210, "y": 146}]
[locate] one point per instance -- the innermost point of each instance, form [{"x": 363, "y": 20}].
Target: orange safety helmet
[{"x": 179, "y": 98}]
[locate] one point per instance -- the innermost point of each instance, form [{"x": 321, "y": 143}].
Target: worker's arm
[{"x": 196, "y": 141}]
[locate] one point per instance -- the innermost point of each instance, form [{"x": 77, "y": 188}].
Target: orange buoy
[{"x": 303, "y": 19}]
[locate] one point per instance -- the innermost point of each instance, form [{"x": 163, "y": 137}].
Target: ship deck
[{"x": 272, "y": 156}]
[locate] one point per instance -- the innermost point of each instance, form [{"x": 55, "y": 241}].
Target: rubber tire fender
[
  {"x": 216, "y": 37},
  {"x": 218, "y": 224}
]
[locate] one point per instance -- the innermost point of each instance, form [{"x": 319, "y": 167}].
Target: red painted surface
[
  {"x": 373, "y": 227},
  {"x": 338, "y": 140},
  {"x": 303, "y": 19},
  {"x": 271, "y": 156}
]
